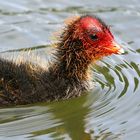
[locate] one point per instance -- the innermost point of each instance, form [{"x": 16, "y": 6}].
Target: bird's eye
[{"x": 94, "y": 37}]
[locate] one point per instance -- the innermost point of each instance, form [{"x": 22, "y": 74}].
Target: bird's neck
[{"x": 72, "y": 61}]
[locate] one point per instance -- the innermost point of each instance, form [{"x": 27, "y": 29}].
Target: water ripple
[{"x": 111, "y": 110}]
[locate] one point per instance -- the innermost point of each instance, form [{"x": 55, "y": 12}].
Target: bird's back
[
  {"x": 19, "y": 83},
  {"x": 26, "y": 83}
]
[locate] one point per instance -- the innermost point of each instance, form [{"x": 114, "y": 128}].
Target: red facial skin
[{"x": 104, "y": 43}]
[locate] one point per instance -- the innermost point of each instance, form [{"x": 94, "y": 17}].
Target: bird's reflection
[
  {"x": 59, "y": 120},
  {"x": 72, "y": 116}
]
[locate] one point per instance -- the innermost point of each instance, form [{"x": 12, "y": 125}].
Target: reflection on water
[
  {"x": 112, "y": 110},
  {"x": 59, "y": 120}
]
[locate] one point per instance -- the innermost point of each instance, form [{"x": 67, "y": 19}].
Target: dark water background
[{"x": 112, "y": 110}]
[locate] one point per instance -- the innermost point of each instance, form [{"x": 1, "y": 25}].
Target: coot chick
[{"x": 84, "y": 40}]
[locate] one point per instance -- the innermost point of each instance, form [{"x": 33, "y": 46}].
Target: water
[{"x": 112, "y": 110}]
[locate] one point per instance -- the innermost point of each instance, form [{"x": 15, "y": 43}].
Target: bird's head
[{"x": 95, "y": 37}]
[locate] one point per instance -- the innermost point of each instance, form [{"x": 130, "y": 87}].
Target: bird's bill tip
[{"x": 117, "y": 48}]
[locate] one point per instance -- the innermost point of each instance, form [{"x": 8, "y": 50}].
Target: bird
[{"x": 84, "y": 40}]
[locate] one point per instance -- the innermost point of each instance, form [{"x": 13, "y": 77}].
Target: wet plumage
[{"x": 83, "y": 41}]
